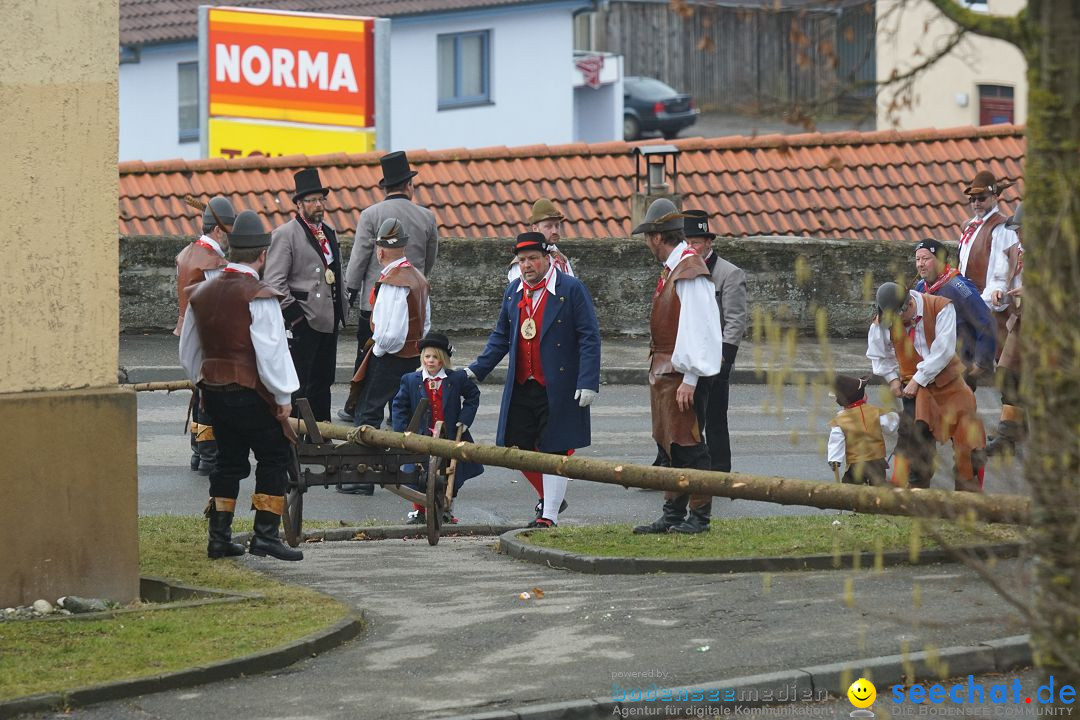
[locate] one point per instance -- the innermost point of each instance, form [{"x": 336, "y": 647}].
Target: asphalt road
[{"x": 772, "y": 434}]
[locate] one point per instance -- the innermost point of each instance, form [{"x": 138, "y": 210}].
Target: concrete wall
[
  {"x": 67, "y": 459},
  {"x": 787, "y": 277},
  {"x": 909, "y": 32},
  {"x": 532, "y": 98},
  {"x": 149, "y": 96}
]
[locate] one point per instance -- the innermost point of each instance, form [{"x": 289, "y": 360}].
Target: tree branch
[{"x": 994, "y": 26}]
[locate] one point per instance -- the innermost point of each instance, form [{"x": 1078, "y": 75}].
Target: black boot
[
  {"x": 221, "y": 544},
  {"x": 266, "y": 542},
  {"x": 697, "y": 522},
  {"x": 1004, "y": 441},
  {"x": 207, "y": 456},
  {"x": 674, "y": 512}
]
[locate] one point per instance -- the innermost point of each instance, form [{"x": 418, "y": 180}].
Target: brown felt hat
[
  {"x": 848, "y": 389},
  {"x": 985, "y": 182},
  {"x": 544, "y": 209}
]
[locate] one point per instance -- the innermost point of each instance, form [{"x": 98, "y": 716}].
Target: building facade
[{"x": 980, "y": 81}]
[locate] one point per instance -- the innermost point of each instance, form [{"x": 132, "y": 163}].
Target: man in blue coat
[
  {"x": 975, "y": 328},
  {"x": 548, "y": 326}
]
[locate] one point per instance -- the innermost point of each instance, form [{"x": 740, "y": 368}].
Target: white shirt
[
  {"x": 882, "y": 354},
  {"x": 889, "y": 421},
  {"x": 272, "y": 356},
  {"x": 515, "y": 269},
  {"x": 390, "y": 315},
  {"x": 997, "y": 265},
  {"x": 213, "y": 245},
  {"x": 700, "y": 338}
]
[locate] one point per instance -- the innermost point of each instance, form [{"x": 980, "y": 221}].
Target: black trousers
[
  {"x": 205, "y": 449},
  {"x": 380, "y": 386},
  {"x": 715, "y": 425},
  {"x": 314, "y": 355},
  {"x": 526, "y": 416},
  {"x": 363, "y": 334},
  {"x": 244, "y": 424}
]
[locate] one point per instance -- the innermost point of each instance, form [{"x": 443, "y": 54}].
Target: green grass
[
  {"x": 772, "y": 537},
  {"x": 54, "y": 656}
]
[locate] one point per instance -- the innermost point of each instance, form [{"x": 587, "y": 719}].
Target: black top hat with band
[
  {"x": 308, "y": 183},
  {"x": 696, "y": 224},
  {"x": 395, "y": 169},
  {"x": 531, "y": 241},
  {"x": 936, "y": 248},
  {"x": 391, "y": 234},
  {"x": 437, "y": 340},
  {"x": 248, "y": 232}
]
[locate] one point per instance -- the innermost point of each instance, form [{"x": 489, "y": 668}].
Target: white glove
[
  {"x": 585, "y": 397},
  {"x": 470, "y": 373}
]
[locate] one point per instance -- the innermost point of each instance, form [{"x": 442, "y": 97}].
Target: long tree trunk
[{"x": 1052, "y": 329}]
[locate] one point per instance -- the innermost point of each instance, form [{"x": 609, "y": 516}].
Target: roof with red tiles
[
  {"x": 144, "y": 22},
  {"x": 884, "y": 185}
]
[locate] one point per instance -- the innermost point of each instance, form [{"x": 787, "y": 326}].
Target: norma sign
[{"x": 299, "y": 70}]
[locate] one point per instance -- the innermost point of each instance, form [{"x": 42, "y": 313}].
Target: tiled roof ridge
[{"x": 731, "y": 142}]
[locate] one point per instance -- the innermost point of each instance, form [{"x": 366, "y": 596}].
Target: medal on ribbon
[{"x": 528, "y": 329}]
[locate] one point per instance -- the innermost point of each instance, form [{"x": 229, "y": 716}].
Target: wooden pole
[
  {"x": 1010, "y": 509},
  {"x": 168, "y": 386}
]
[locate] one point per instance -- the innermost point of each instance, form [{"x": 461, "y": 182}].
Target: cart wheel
[
  {"x": 293, "y": 517},
  {"x": 433, "y": 510}
]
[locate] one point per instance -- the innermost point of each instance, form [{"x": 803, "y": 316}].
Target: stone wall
[{"x": 789, "y": 278}]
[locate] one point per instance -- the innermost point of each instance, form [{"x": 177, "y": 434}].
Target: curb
[
  {"x": 608, "y": 375},
  {"x": 509, "y": 544},
  {"x": 726, "y": 697},
  {"x": 273, "y": 659},
  {"x": 391, "y": 532}
]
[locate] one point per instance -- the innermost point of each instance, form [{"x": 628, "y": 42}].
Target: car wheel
[{"x": 631, "y": 128}]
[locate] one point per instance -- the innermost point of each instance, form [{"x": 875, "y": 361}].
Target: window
[
  {"x": 995, "y": 104},
  {"x": 188, "y": 100},
  {"x": 464, "y": 69}
]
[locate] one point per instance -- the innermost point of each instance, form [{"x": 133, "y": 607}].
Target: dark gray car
[{"x": 650, "y": 105}]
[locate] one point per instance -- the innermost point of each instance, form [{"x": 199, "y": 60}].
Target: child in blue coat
[{"x": 453, "y": 398}]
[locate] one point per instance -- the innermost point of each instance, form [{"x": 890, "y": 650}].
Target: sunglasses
[{"x": 980, "y": 198}]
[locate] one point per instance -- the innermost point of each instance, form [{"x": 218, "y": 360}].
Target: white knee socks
[{"x": 554, "y": 492}]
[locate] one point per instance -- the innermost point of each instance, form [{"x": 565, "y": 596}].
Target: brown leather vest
[
  {"x": 664, "y": 319},
  {"x": 408, "y": 277},
  {"x": 979, "y": 257},
  {"x": 863, "y": 439},
  {"x": 909, "y": 358},
  {"x": 191, "y": 266},
  {"x": 223, "y": 321}
]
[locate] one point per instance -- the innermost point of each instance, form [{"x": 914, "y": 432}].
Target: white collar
[
  {"x": 437, "y": 376},
  {"x": 239, "y": 267},
  {"x": 985, "y": 217},
  {"x": 392, "y": 265},
  {"x": 213, "y": 244},
  {"x": 676, "y": 255}
]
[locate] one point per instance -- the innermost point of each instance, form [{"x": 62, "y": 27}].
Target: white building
[
  {"x": 980, "y": 81},
  {"x": 463, "y": 73}
]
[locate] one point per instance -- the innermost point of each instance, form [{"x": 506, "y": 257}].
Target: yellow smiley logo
[{"x": 862, "y": 693}]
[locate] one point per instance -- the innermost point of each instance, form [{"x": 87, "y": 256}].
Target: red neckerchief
[
  {"x": 667, "y": 271},
  {"x": 911, "y": 330},
  {"x": 324, "y": 243},
  {"x": 527, "y": 289},
  {"x": 855, "y": 404},
  {"x": 949, "y": 274},
  {"x": 969, "y": 231},
  {"x": 382, "y": 274}
]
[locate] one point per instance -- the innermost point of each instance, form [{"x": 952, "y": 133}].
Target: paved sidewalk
[
  {"x": 624, "y": 360},
  {"x": 449, "y": 635}
]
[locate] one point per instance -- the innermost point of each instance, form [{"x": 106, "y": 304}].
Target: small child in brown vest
[{"x": 857, "y": 433}]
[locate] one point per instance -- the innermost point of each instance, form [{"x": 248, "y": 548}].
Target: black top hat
[
  {"x": 395, "y": 169},
  {"x": 696, "y": 224},
  {"x": 437, "y": 340},
  {"x": 248, "y": 232},
  {"x": 308, "y": 183},
  {"x": 531, "y": 241}
]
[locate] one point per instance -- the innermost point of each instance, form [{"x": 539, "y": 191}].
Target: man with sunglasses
[
  {"x": 304, "y": 266},
  {"x": 912, "y": 344},
  {"x": 985, "y": 246}
]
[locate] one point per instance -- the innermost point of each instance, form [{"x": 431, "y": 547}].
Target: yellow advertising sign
[{"x": 243, "y": 138}]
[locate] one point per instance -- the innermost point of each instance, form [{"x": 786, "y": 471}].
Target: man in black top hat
[
  {"x": 421, "y": 248},
  {"x": 730, "y": 283},
  {"x": 233, "y": 347},
  {"x": 304, "y": 265}
]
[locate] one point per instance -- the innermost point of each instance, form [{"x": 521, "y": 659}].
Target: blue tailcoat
[
  {"x": 569, "y": 356},
  {"x": 460, "y": 400}
]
